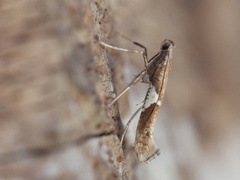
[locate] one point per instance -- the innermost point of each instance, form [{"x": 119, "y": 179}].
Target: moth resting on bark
[{"x": 156, "y": 75}]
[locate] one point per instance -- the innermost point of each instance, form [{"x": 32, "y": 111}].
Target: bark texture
[{"x": 56, "y": 82}]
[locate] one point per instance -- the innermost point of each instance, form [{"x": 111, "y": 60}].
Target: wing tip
[{"x": 147, "y": 153}]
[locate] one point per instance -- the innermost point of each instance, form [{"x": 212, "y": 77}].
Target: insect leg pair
[{"x": 141, "y": 77}]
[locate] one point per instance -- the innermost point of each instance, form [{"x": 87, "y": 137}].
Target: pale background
[{"x": 198, "y": 128}]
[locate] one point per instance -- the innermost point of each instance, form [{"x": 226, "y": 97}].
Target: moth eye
[{"x": 165, "y": 46}]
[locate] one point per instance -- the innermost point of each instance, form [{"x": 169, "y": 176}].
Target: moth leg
[
  {"x": 140, "y": 76},
  {"x": 118, "y": 48},
  {"x": 137, "y": 79},
  {"x": 144, "y": 52},
  {"x": 128, "y": 124}
]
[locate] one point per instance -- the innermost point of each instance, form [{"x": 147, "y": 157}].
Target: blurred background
[
  {"x": 198, "y": 127},
  {"x": 52, "y": 114}
]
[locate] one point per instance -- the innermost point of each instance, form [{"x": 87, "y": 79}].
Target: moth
[{"x": 156, "y": 75}]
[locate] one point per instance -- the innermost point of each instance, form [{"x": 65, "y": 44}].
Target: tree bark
[{"x": 56, "y": 82}]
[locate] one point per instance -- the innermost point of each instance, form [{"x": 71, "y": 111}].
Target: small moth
[{"x": 156, "y": 75}]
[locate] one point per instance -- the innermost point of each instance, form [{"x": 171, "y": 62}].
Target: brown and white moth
[{"x": 156, "y": 75}]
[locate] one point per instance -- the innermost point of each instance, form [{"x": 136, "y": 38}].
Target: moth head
[{"x": 167, "y": 45}]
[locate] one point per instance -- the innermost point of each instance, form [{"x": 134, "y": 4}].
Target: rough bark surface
[{"x": 56, "y": 82}]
